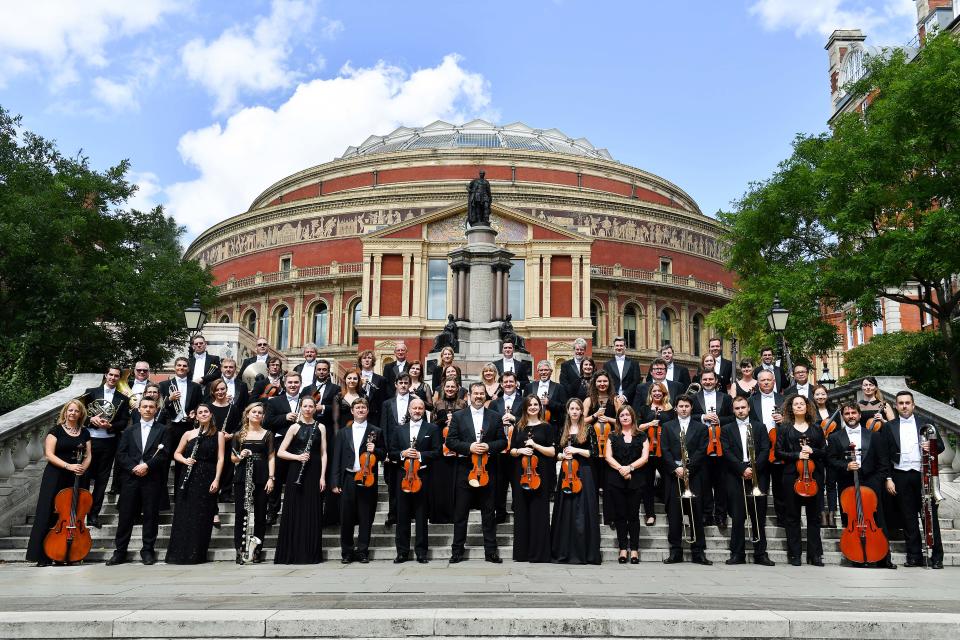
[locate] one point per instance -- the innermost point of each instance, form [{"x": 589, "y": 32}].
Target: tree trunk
[{"x": 953, "y": 356}]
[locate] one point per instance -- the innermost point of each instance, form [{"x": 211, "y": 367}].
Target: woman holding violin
[
  {"x": 305, "y": 447},
  {"x": 600, "y": 415},
  {"x": 657, "y": 412},
  {"x": 824, "y": 415},
  {"x": 60, "y": 447},
  {"x": 533, "y": 447},
  {"x": 872, "y": 402},
  {"x": 575, "y": 529},
  {"x": 802, "y": 448},
  {"x": 627, "y": 452},
  {"x": 200, "y": 450},
  {"x": 443, "y": 470}
]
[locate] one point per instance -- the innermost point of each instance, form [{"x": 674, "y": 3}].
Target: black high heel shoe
[
  {"x": 623, "y": 558},
  {"x": 635, "y": 559}
]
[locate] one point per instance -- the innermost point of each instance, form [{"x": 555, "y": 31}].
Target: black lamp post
[
  {"x": 777, "y": 319},
  {"x": 194, "y": 318},
  {"x": 826, "y": 379}
]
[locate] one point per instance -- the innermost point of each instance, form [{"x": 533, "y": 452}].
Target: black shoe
[
  {"x": 886, "y": 563},
  {"x": 701, "y": 559},
  {"x": 764, "y": 560},
  {"x": 364, "y": 558},
  {"x": 271, "y": 518},
  {"x": 816, "y": 561},
  {"x": 401, "y": 558},
  {"x": 346, "y": 559},
  {"x": 148, "y": 557},
  {"x": 673, "y": 558},
  {"x": 733, "y": 561},
  {"x": 390, "y": 522},
  {"x": 93, "y": 521},
  {"x": 239, "y": 558},
  {"x": 501, "y": 518},
  {"x": 493, "y": 557},
  {"x": 47, "y": 563},
  {"x": 258, "y": 555},
  {"x": 456, "y": 558},
  {"x": 936, "y": 564},
  {"x": 613, "y": 525},
  {"x": 422, "y": 559},
  {"x": 216, "y": 524},
  {"x": 913, "y": 562},
  {"x": 721, "y": 522},
  {"x": 622, "y": 559},
  {"x": 635, "y": 559},
  {"x": 117, "y": 558},
  {"x": 795, "y": 562}
]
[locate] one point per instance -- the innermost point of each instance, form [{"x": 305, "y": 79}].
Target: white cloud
[
  {"x": 148, "y": 191},
  {"x": 886, "y": 21},
  {"x": 116, "y": 95},
  {"x": 252, "y": 58},
  {"x": 258, "y": 146},
  {"x": 58, "y": 35}
]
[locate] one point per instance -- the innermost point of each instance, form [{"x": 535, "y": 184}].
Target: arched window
[
  {"x": 224, "y": 319},
  {"x": 321, "y": 324},
  {"x": 354, "y": 320},
  {"x": 697, "y": 330},
  {"x": 632, "y": 326},
  {"x": 282, "y": 335},
  {"x": 250, "y": 321},
  {"x": 666, "y": 327},
  {"x": 595, "y": 321}
]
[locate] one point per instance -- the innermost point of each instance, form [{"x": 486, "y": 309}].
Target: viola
[
  {"x": 411, "y": 482},
  {"x": 478, "y": 476},
  {"x": 861, "y": 540},
  {"x": 805, "y": 486},
  {"x": 529, "y": 478},
  {"x": 654, "y": 433},
  {"x": 714, "y": 447},
  {"x": 69, "y": 539},
  {"x": 603, "y": 434},
  {"x": 446, "y": 450},
  {"x": 829, "y": 425},
  {"x": 368, "y": 464},
  {"x": 772, "y": 434},
  {"x": 571, "y": 476}
]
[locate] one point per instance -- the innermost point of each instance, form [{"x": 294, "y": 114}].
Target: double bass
[
  {"x": 805, "y": 485},
  {"x": 862, "y": 540},
  {"x": 69, "y": 539}
]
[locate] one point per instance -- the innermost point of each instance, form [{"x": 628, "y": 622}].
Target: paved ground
[{"x": 476, "y": 584}]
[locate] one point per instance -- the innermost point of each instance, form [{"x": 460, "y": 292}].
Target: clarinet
[
  {"x": 193, "y": 456},
  {"x": 303, "y": 465}
]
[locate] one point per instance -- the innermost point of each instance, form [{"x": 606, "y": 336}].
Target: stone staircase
[{"x": 653, "y": 539}]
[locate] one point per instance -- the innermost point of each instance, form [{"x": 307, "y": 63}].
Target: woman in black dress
[
  {"x": 627, "y": 453},
  {"x": 253, "y": 445},
  {"x": 60, "y": 449},
  {"x": 532, "y": 441},
  {"x": 443, "y": 470},
  {"x": 653, "y": 415},
  {"x": 201, "y": 450},
  {"x": 227, "y": 415},
  {"x": 746, "y": 385},
  {"x": 418, "y": 386},
  {"x": 300, "y": 540},
  {"x": 799, "y": 438},
  {"x": 872, "y": 402},
  {"x": 575, "y": 529},
  {"x": 600, "y": 414},
  {"x": 489, "y": 376},
  {"x": 587, "y": 368},
  {"x": 439, "y": 371}
]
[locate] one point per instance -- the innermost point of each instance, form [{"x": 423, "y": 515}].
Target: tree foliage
[
  {"x": 867, "y": 211},
  {"x": 83, "y": 281}
]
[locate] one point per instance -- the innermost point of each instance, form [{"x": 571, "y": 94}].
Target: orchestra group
[{"x": 296, "y": 450}]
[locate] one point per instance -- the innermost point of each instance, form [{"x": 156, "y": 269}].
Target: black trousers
[
  {"x": 393, "y": 487},
  {"x": 259, "y": 512},
  {"x": 813, "y": 507},
  {"x": 649, "y": 492},
  {"x": 909, "y": 486},
  {"x": 139, "y": 497},
  {"x": 676, "y": 517},
  {"x": 103, "y": 452},
  {"x": 418, "y": 505},
  {"x": 358, "y": 505},
  {"x": 713, "y": 485},
  {"x": 467, "y": 498},
  {"x": 776, "y": 486},
  {"x": 502, "y": 473},
  {"x": 736, "y": 486},
  {"x": 177, "y": 429},
  {"x": 625, "y": 509}
]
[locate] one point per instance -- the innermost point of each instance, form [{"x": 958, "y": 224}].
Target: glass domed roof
[{"x": 478, "y": 134}]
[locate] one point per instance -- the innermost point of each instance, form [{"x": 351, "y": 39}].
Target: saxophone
[{"x": 250, "y": 540}]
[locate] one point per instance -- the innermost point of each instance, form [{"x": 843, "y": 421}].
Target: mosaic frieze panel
[{"x": 452, "y": 229}]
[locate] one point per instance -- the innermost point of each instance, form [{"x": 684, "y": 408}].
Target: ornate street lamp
[
  {"x": 777, "y": 319},
  {"x": 194, "y": 318},
  {"x": 826, "y": 379}
]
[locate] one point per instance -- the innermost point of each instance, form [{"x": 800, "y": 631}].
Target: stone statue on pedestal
[
  {"x": 449, "y": 337},
  {"x": 507, "y": 334},
  {"x": 478, "y": 202}
]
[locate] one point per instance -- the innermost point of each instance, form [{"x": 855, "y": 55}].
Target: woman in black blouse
[{"x": 628, "y": 450}]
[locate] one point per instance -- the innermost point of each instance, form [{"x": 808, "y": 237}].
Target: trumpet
[
  {"x": 177, "y": 405},
  {"x": 684, "y": 493},
  {"x": 755, "y": 493}
]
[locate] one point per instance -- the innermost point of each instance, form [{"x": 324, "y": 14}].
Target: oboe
[{"x": 303, "y": 465}]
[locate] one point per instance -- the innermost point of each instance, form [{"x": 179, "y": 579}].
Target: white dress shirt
[
  {"x": 509, "y": 365},
  {"x": 401, "y": 364},
  {"x": 803, "y": 390},
  {"x": 909, "y": 446},
  {"x": 856, "y": 437},
  {"x": 477, "y": 415},
  {"x": 199, "y": 366},
  {"x": 231, "y": 387},
  {"x": 716, "y": 365},
  {"x": 402, "y": 404},
  {"x": 308, "y": 373},
  {"x": 543, "y": 388},
  {"x": 621, "y": 363},
  {"x": 743, "y": 425},
  {"x": 767, "y": 407},
  {"x": 138, "y": 386},
  {"x": 684, "y": 424},
  {"x": 294, "y": 402},
  {"x": 709, "y": 400},
  {"x": 145, "y": 432},
  {"x": 359, "y": 442},
  {"x": 669, "y": 375}
]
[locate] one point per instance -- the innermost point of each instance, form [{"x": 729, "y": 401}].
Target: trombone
[
  {"x": 755, "y": 492},
  {"x": 684, "y": 493}
]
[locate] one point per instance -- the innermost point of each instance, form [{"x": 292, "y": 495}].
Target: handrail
[
  {"x": 295, "y": 274},
  {"x": 684, "y": 282}
]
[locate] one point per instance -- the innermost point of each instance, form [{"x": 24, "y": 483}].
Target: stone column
[
  {"x": 377, "y": 269},
  {"x": 575, "y": 302},
  {"x": 585, "y": 291},
  {"x": 417, "y": 309},
  {"x": 497, "y": 293},
  {"x": 455, "y": 307},
  {"x": 505, "y": 302},
  {"x": 405, "y": 289},
  {"x": 545, "y": 312}
]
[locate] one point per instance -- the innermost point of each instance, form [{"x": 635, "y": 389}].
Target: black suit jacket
[
  {"x": 640, "y": 396},
  {"x": 556, "y": 400},
  {"x": 429, "y": 443},
  {"x": 756, "y": 401},
  {"x": 837, "y": 448},
  {"x": 499, "y": 405},
  {"x": 328, "y": 399},
  {"x": 376, "y": 394},
  {"x": 212, "y": 372},
  {"x": 724, "y": 408},
  {"x": 733, "y": 448},
  {"x": 521, "y": 368},
  {"x": 462, "y": 434},
  {"x": 726, "y": 373},
  {"x": 190, "y": 403},
  {"x": 276, "y": 415},
  {"x": 121, "y": 405},
  {"x": 779, "y": 378},
  {"x": 389, "y": 418},
  {"x": 344, "y": 454},
  {"x": 131, "y": 451},
  {"x": 889, "y": 441},
  {"x": 696, "y": 446},
  {"x": 631, "y": 376},
  {"x": 570, "y": 377},
  {"x": 792, "y": 389},
  {"x": 390, "y": 374},
  {"x": 246, "y": 363}
]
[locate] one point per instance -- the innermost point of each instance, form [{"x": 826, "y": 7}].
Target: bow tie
[{"x": 768, "y": 396}]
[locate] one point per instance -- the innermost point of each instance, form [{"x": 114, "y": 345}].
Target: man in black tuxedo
[
  {"x": 282, "y": 411},
  {"x": 308, "y": 368},
  {"x": 713, "y": 408},
  {"x": 143, "y": 452},
  {"x": 182, "y": 397},
  {"x": 624, "y": 372},
  {"x": 358, "y": 504},
  {"x": 658, "y": 373},
  {"x": 740, "y": 483},
  {"x": 675, "y": 372},
  {"x": 901, "y": 454},
  {"x": 723, "y": 367},
  {"x": 398, "y": 366},
  {"x": 767, "y": 407},
  {"x": 475, "y": 430},
  {"x": 415, "y": 439},
  {"x": 374, "y": 385},
  {"x": 552, "y": 396},
  {"x": 801, "y": 383},
  {"x": 393, "y": 413},
  {"x": 508, "y": 363},
  {"x": 274, "y": 377},
  {"x": 261, "y": 354},
  {"x": 694, "y": 434},
  {"x": 508, "y": 406},
  {"x": 104, "y": 434},
  {"x": 570, "y": 374},
  {"x": 767, "y": 363},
  {"x": 324, "y": 391},
  {"x": 204, "y": 367},
  {"x": 236, "y": 389}
]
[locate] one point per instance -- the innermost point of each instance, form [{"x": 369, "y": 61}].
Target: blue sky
[{"x": 213, "y": 101}]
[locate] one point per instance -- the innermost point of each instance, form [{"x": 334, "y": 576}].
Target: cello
[
  {"x": 862, "y": 540},
  {"x": 411, "y": 482},
  {"x": 805, "y": 485},
  {"x": 368, "y": 463},
  {"x": 69, "y": 539}
]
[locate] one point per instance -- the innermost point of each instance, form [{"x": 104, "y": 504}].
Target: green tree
[
  {"x": 920, "y": 357},
  {"x": 83, "y": 281},
  {"x": 867, "y": 211}
]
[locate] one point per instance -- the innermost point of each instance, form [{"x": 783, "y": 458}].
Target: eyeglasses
[
  {"x": 261, "y": 344},
  {"x": 142, "y": 370}
]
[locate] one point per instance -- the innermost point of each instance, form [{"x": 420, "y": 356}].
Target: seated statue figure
[
  {"x": 507, "y": 334},
  {"x": 449, "y": 337}
]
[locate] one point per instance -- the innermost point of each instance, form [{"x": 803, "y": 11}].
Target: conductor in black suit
[
  {"x": 475, "y": 430},
  {"x": 721, "y": 366},
  {"x": 508, "y": 363},
  {"x": 675, "y": 372},
  {"x": 204, "y": 367},
  {"x": 624, "y": 372},
  {"x": 104, "y": 435},
  {"x": 143, "y": 453},
  {"x": 570, "y": 372}
]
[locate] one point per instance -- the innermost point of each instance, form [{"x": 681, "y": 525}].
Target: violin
[
  {"x": 876, "y": 420},
  {"x": 509, "y": 436},
  {"x": 270, "y": 391},
  {"x": 411, "y": 482},
  {"x": 571, "y": 476},
  {"x": 772, "y": 434},
  {"x": 714, "y": 447},
  {"x": 805, "y": 486},
  {"x": 446, "y": 450},
  {"x": 478, "y": 476},
  {"x": 69, "y": 539},
  {"x": 368, "y": 464},
  {"x": 529, "y": 478},
  {"x": 861, "y": 540},
  {"x": 829, "y": 425}
]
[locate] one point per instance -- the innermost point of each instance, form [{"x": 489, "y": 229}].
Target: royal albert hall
[{"x": 353, "y": 254}]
